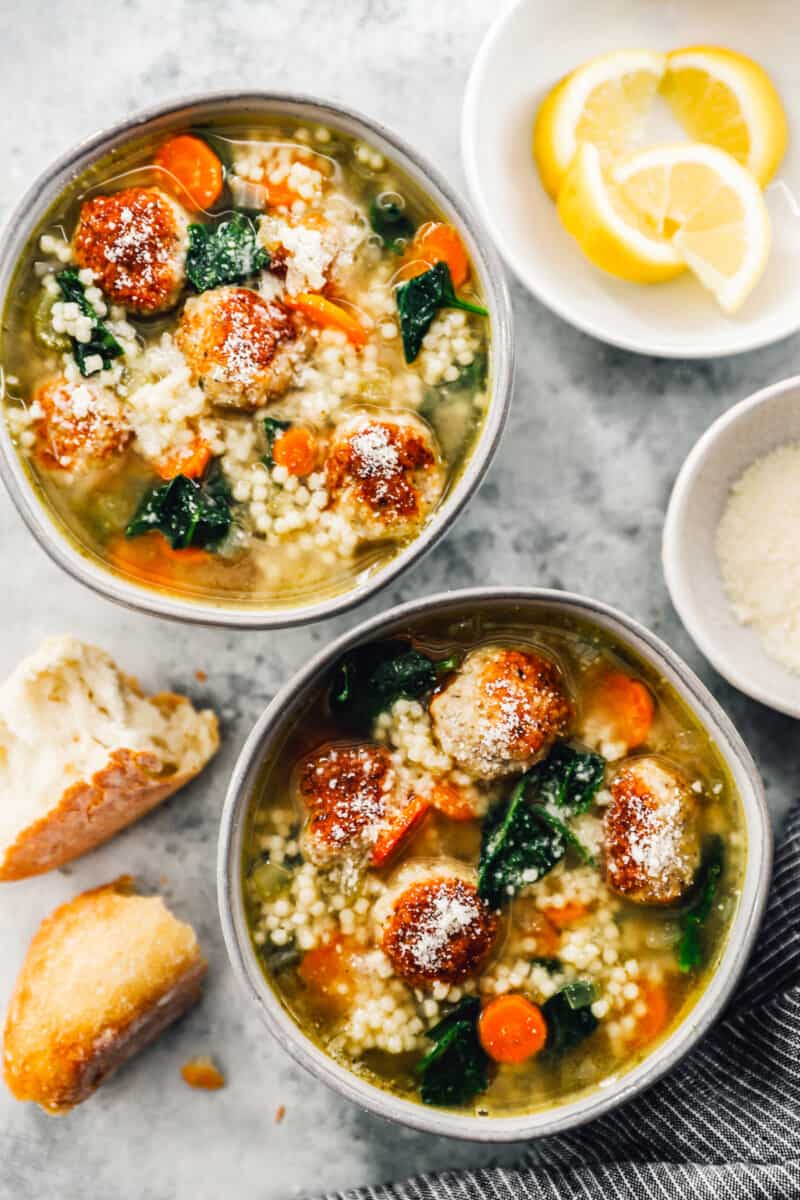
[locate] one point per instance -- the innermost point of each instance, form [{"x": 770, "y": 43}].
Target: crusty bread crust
[
  {"x": 116, "y": 1045},
  {"x": 93, "y": 810},
  {"x": 137, "y": 968}
]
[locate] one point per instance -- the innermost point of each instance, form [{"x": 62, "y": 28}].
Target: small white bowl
[
  {"x": 529, "y": 48},
  {"x": 744, "y": 433}
]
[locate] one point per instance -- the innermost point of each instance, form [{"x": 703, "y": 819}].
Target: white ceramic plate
[
  {"x": 528, "y": 49},
  {"x": 744, "y": 433}
]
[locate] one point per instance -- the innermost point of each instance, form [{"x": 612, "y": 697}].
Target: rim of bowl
[
  {"x": 27, "y": 497},
  {"x": 674, "y": 536},
  {"x": 647, "y": 346},
  {"x": 585, "y": 1108}
]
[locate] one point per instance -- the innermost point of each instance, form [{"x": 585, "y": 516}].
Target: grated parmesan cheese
[{"x": 758, "y": 549}]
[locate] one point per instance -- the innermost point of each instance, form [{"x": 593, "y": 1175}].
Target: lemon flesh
[
  {"x": 708, "y": 206},
  {"x": 726, "y": 100},
  {"x": 608, "y": 230},
  {"x": 605, "y": 103}
]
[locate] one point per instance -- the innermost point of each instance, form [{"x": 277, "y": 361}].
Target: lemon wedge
[
  {"x": 725, "y": 99},
  {"x": 708, "y": 207},
  {"x": 604, "y": 102},
  {"x": 610, "y": 232}
]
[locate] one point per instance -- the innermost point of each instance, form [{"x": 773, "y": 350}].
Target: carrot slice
[
  {"x": 546, "y": 935},
  {"x": 151, "y": 558},
  {"x": 322, "y": 311},
  {"x": 328, "y": 971},
  {"x": 568, "y": 914},
  {"x": 281, "y": 194},
  {"x": 628, "y": 704},
  {"x": 202, "y": 1073},
  {"x": 437, "y": 242},
  {"x": 511, "y": 1029},
  {"x": 398, "y": 829},
  {"x": 655, "y": 1018},
  {"x": 451, "y": 800},
  {"x": 190, "y": 461},
  {"x": 278, "y": 195},
  {"x": 296, "y": 450},
  {"x": 196, "y": 168}
]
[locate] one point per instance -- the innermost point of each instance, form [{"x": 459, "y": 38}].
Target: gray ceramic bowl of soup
[
  {"x": 146, "y": 359},
  {"x": 369, "y": 904}
]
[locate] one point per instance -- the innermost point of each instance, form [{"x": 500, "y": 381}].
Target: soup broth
[
  {"x": 245, "y": 363},
  {"x": 493, "y": 863}
]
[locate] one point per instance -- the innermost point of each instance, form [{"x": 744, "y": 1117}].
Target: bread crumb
[
  {"x": 200, "y": 676},
  {"x": 201, "y": 1073},
  {"x": 280, "y": 1113}
]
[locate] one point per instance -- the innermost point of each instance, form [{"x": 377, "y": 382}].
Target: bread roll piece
[
  {"x": 83, "y": 753},
  {"x": 104, "y": 974}
]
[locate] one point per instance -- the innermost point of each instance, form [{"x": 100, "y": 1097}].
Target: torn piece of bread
[
  {"x": 104, "y": 975},
  {"x": 83, "y": 753}
]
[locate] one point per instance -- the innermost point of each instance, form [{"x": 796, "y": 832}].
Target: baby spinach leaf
[
  {"x": 457, "y": 1068},
  {"x": 563, "y": 831},
  {"x": 102, "y": 342},
  {"x": 391, "y": 222},
  {"x": 569, "y": 1016},
  {"x": 368, "y": 680},
  {"x": 188, "y": 513},
  {"x": 551, "y": 965},
  {"x": 518, "y": 847},
  {"x": 523, "y": 838},
  {"x": 272, "y": 429},
  {"x": 690, "y": 946},
  {"x": 567, "y": 779},
  {"x": 419, "y": 300},
  {"x": 224, "y": 253}
]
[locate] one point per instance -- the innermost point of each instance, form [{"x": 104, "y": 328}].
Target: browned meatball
[
  {"x": 355, "y": 805},
  {"x": 78, "y": 426},
  {"x": 501, "y": 711},
  {"x": 384, "y": 473},
  {"x": 652, "y": 848},
  {"x": 135, "y": 241},
  {"x": 240, "y": 348},
  {"x": 343, "y": 790},
  {"x": 439, "y": 930}
]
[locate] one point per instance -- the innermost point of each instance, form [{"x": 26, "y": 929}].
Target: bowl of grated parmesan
[{"x": 731, "y": 546}]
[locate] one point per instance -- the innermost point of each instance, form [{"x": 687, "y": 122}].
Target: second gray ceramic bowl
[
  {"x": 525, "y": 604},
  {"x": 197, "y": 111}
]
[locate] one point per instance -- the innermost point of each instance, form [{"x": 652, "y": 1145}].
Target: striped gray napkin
[{"x": 725, "y": 1124}]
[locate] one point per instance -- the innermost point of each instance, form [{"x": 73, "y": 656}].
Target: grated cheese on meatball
[
  {"x": 384, "y": 474},
  {"x": 501, "y": 711},
  {"x": 439, "y": 931},
  {"x": 135, "y": 242},
  {"x": 240, "y": 347},
  {"x": 77, "y": 426},
  {"x": 651, "y": 840}
]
